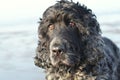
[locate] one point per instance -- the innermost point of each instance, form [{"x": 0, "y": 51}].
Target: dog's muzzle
[{"x": 57, "y": 48}]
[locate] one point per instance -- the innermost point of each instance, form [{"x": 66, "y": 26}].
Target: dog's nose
[{"x": 57, "y": 49}]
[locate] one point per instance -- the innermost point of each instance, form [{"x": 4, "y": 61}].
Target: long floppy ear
[
  {"x": 90, "y": 35},
  {"x": 91, "y": 40},
  {"x": 42, "y": 55}
]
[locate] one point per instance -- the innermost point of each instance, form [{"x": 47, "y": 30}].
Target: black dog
[{"x": 71, "y": 46}]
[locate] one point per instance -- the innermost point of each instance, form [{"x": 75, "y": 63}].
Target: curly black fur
[{"x": 71, "y": 46}]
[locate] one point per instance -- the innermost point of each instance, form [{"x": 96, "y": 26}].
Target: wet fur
[{"x": 93, "y": 57}]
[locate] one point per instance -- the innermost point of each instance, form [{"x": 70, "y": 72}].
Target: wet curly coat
[{"x": 71, "y": 46}]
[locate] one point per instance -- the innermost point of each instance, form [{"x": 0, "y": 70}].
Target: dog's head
[{"x": 69, "y": 33}]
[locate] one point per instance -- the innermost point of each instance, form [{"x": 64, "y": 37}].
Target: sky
[{"x": 18, "y": 12}]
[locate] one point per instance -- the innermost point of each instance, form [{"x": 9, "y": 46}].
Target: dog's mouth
[{"x": 61, "y": 59}]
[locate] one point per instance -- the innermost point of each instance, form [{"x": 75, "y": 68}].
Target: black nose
[{"x": 57, "y": 49}]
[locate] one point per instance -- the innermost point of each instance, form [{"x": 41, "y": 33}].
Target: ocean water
[{"x": 17, "y": 51}]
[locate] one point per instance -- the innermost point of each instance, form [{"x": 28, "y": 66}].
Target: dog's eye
[
  {"x": 51, "y": 27},
  {"x": 72, "y": 24}
]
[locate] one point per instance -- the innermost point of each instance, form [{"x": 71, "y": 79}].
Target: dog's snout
[{"x": 56, "y": 52}]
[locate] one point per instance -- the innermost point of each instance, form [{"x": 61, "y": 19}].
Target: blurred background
[{"x": 18, "y": 33}]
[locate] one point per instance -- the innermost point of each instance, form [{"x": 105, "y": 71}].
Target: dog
[{"x": 70, "y": 45}]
